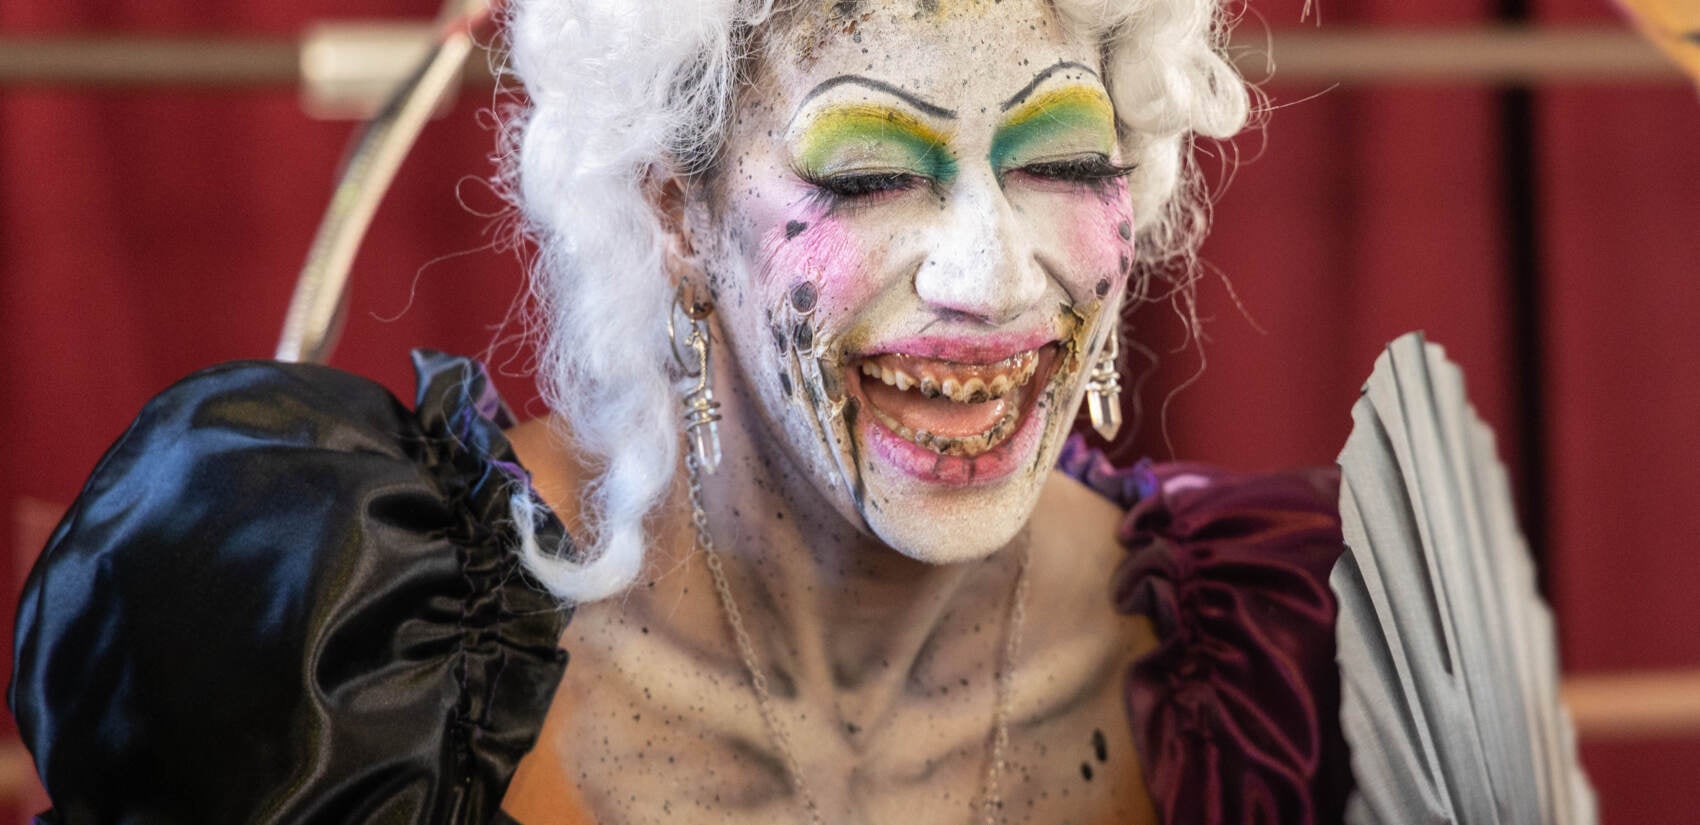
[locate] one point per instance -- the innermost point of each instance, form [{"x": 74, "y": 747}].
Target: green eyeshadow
[{"x": 1071, "y": 112}]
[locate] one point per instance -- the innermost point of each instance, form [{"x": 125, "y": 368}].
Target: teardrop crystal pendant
[
  {"x": 702, "y": 412},
  {"x": 702, "y": 425},
  {"x": 1104, "y": 391}
]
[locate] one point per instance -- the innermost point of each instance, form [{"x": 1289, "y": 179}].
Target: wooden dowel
[
  {"x": 1479, "y": 55},
  {"x": 1654, "y": 704},
  {"x": 129, "y": 62},
  {"x": 17, "y": 771},
  {"x": 1498, "y": 55}
]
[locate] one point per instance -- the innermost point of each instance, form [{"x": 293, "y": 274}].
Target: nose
[{"x": 981, "y": 263}]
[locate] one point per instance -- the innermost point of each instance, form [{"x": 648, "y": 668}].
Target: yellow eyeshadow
[
  {"x": 856, "y": 125},
  {"x": 1087, "y": 101}
]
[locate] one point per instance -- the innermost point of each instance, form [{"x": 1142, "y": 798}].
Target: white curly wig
[{"x": 621, "y": 88}]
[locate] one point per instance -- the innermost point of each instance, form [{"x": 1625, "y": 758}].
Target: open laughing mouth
[{"x": 953, "y": 421}]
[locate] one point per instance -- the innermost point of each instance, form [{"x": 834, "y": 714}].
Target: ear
[{"x": 669, "y": 195}]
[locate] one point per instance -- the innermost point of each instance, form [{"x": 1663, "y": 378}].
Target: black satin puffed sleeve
[{"x": 284, "y": 597}]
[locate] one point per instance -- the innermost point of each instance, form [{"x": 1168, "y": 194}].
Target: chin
[{"x": 967, "y": 526}]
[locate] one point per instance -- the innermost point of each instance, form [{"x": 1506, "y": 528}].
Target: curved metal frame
[{"x": 315, "y": 312}]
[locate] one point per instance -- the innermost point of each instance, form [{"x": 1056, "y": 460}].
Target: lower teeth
[{"x": 966, "y": 446}]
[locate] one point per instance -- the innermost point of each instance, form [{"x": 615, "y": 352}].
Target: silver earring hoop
[
  {"x": 1104, "y": 389},
  {"x": 702, "y": 412}
]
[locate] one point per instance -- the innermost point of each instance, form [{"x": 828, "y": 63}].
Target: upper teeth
[{"x": 965, "y": 383}]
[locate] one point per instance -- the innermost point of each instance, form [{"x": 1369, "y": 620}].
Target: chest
[{"x": 644, "y": 733}]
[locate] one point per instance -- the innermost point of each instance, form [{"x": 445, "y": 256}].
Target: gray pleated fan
[{"x": 1447, "y": 656}]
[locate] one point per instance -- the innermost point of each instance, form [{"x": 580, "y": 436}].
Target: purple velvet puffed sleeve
[{"x": 1236, "y": 713}]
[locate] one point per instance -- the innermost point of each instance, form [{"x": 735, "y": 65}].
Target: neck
[{"x": 830, "y": 609}]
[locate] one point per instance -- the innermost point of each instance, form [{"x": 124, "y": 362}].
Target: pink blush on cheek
[
  {"x": 1100, "y": 239},
  {"x": 816, "y": 247}
]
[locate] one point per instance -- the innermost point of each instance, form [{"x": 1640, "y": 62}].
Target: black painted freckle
[
  {"x": 1103, "y": 287},
  {"x": 1100, "y": 748},
  {"x": 1125, "y": 229},
  {"x": 794, "y": 228},
  {"x": 1124, "y": 263},
  {"x": 1086, "y": 772},
  {"x": 804, "y": 296}
]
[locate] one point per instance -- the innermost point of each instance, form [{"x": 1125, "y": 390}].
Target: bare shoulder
[
  {"x": 1073, "y": 530},
  {"x": 543, "y": 452},
  {"x": 1075, "y": 557},
  {"x": 1075, "y": 738}
]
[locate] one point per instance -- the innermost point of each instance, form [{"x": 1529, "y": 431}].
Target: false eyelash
[
  {"x": 1078, "y": 170},
  {"x": 863, "y": 184},
  {"x": 856, "y": 189}
]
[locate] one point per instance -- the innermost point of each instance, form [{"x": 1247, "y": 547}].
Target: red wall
[{"x": 143, "y": 235}]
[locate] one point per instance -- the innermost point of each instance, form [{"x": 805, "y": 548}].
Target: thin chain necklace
[{"x": 991, "y": 797}]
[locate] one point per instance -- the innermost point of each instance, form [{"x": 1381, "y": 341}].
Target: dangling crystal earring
[
  {"x": 1104, "y": 390},
  {"x": 702, "y": 412}
]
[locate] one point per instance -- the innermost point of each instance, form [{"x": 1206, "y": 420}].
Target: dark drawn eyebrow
[
  {"x": 1041, "y": 78},
  {"x": 877, "y": 85}
]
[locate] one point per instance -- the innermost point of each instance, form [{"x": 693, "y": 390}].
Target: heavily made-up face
[{"x": 922, "y": 234}]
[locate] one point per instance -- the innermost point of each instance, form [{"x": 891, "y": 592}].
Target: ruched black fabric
[{"x": 284, "y": 597}]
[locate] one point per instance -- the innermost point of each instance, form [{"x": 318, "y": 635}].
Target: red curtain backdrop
[{"x": 147, "y": 234}]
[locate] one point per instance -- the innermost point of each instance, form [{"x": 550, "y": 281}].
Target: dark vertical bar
[{"x": 1521, "y": 205}]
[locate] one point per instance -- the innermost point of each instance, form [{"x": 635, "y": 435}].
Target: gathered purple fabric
[{"x": 1236, "y": 713}]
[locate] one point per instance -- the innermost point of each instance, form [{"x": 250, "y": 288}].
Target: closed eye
[
  {"x": 1090, "y": 169},
  {"x": 864, "y": 184}
]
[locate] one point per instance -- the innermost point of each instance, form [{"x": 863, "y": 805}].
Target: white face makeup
[{"x": 923, "y": 232}]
